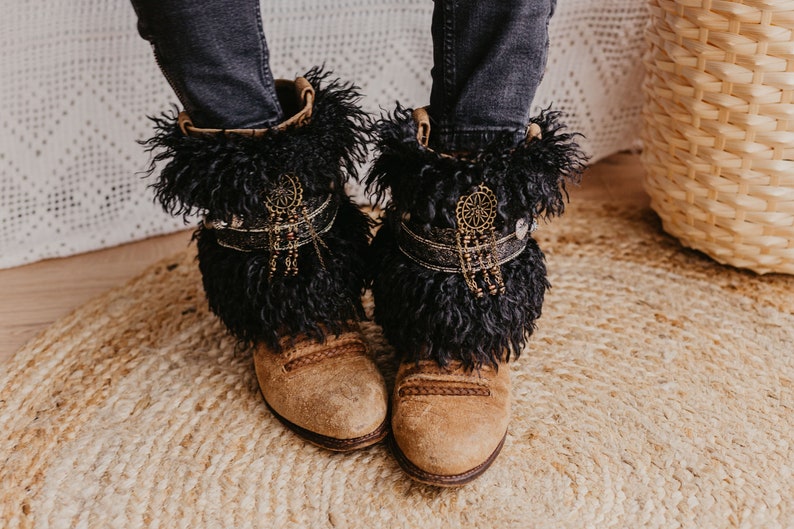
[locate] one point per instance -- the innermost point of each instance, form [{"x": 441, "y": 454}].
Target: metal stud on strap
[{"x": 291, "y": 222}]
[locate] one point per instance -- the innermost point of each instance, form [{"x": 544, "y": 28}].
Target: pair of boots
[{"x": 457, "y": 279}]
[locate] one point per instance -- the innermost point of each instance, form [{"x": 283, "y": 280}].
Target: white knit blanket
[{"x": 76, "y": 82}]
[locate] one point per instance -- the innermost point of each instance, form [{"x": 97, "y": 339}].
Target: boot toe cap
[
  {"x": 455, "y": 441},
  {"x": 341, "y": 398}
]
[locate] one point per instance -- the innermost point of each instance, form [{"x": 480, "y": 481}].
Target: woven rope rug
[{"x": 657, "y": 392}]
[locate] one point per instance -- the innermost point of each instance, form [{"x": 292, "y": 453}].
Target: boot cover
[
  {"x": 282, "y": 248},
  {"x": 459, "y": 282},
  {"x": 457, "y": 274}
]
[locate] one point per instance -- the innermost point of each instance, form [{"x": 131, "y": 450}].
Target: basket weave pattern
[{"x": 719, "y": 128}]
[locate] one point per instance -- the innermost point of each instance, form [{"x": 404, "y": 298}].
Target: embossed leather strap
[
  {"x": 438, "y": 249},
  {"x": 257, "y": 234}
]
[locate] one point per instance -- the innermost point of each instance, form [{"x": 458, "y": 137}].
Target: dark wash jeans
[{"x": 489, "y": 57}]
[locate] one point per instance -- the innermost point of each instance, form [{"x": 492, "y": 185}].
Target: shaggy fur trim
[
  {"x": 528, "y": 178},
  {"x": 257, "y": 308},
  {"x": 433, "y": 315},
  {"x": 223, "y": 175},
  {"x": 227, "y": 174}
]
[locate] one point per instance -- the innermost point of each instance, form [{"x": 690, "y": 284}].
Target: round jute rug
[{"x": 657, "y": 392}]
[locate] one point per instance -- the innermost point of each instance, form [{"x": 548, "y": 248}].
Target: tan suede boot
[
  {"x": 449, "y": 423},
  {"x": 459, "y": 282},
  {"x": 331, "y": 393},
  {"x": 282, "y": 253}
]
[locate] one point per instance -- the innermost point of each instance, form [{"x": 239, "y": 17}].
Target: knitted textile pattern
[{"x": 76, "y": 82}]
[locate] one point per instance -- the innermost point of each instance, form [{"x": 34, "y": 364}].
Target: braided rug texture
[{"x": 657, "y": 392}]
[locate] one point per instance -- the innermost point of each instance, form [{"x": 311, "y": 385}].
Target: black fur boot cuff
[
  {"x": 456, "y": 272},
  {"x": 281, "y": 248}
]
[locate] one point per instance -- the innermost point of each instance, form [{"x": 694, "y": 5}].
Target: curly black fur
[
  {"x": 317, "y": 300},
  {"x": 433, "y": 315},
  {"x": 224, "y": 174},
  {"x": 528, "y": 178}
]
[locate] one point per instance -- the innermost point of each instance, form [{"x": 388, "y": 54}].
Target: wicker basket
[{"x": 719, "y": 128}]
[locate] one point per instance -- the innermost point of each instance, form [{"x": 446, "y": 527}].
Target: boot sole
[
  {"x": 332, "y": 443},
  {"x": 441, "y": 480}
]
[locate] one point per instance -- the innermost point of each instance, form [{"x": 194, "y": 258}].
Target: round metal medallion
[
  {"x": 522, "y": 228},
  {"x": 476, "y": 211},
  {"x": 286, "y": 196}
]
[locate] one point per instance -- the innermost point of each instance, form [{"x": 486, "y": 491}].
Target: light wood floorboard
[{"x": 35, "y": 295}]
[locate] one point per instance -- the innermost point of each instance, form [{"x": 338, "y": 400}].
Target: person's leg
[
  {"x": 281, "y": 248},
  {"x": 216, "y": 59},
  {"x": 489, "y": 58},
  {"x": 460, "y": 281}
]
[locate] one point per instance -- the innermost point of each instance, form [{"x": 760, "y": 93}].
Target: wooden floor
[{"x": 34, "y": 296}]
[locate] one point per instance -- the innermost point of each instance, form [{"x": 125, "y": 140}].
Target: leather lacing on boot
[
  {"x": 308, "y": 352},
  {"x": 429, "y": 378}
]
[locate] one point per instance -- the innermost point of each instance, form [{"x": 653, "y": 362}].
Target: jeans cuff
[{"x": 457, "y": 140}]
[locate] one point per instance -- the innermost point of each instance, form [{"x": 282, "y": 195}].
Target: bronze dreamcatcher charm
[
  {"x": 284, "y": 205},
  {"x": 287, "y": 213},
  {"x": 475, "y": 214}
]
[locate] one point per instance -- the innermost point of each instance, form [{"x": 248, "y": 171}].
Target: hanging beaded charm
[
  {"x": 476, "y": 240},
  {"x": 284, "y": 204},
  {"x": 286, "y": 208}
]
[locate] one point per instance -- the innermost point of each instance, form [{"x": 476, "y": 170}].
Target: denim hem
[{"x": 473, "y": 139}]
